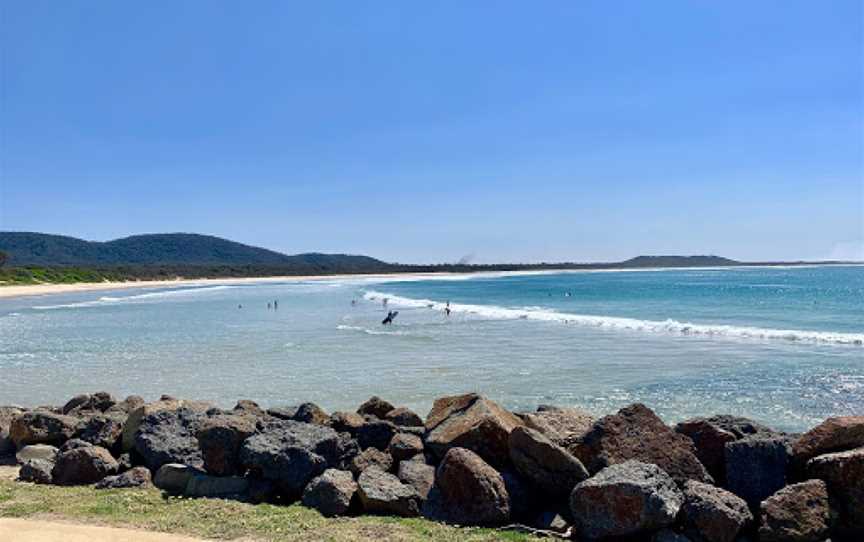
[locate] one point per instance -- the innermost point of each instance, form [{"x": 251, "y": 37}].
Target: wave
[
  {"x": 621, "y": 323},
  {"x": 107, "y": 300},
  {"x": 367, "y": 331}
]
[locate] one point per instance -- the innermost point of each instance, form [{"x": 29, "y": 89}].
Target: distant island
[{"x": 34, "y": 258}]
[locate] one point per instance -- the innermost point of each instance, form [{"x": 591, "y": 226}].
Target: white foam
[
  {"x": 107, "y": 300},
  {"x": 630, "y": 324}
]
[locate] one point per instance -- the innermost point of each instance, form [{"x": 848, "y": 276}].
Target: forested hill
[{"x": 166, "y": 250}]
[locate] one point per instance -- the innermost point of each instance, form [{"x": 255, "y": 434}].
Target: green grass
[{"x": 220, "y": 519}]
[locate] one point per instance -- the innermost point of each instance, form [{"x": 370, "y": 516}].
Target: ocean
[{"x": 782, "y": 345}]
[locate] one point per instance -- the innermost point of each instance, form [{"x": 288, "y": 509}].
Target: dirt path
[{"x": 28, "y": 530}]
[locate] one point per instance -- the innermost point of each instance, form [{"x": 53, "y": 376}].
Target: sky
[{"x": 494, "y": 131}]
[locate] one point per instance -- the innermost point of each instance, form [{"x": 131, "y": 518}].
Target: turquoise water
[{"x": 782, "y": 345}]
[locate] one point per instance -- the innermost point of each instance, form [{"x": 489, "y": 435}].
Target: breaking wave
[{"x": 108, "y": 300}]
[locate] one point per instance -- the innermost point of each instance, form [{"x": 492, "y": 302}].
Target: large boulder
[
  {"x": 843, "y": 472},
  {"x": 44, "y": 452},
  {"x": 375, "y": 406},
  {"x": 625, "y": 499},
  {"x": 216, "y": 487},
  {"x": 474, "y": 423},
  {"x": 133, "y": 422},
  {"x": 292, "y": 453},
  {"x": 248, "y": 408},
  {"x": 132, "y": 478},
  {"x": 42, "y": 427},
  {"x": 7, "y": 414},
  {"x": 796, "y": 513},
  {"x": 547, "y": 466},
  {"x": 306, "y": 412},
  {"x": 37, "y": 471},
  {"x": 756, "y": 467},
  {"x": 375, "y": 433},
  {"x": 74, "y": 403},
  {"x": 330, "y": 493},
  {"x": 404, "y": 417},
  {"x": 710, "y": 435},
  {"x": 563, "y": 426},
  {"x": 382, "y": 493},
  {"x": 405, "y": 446},
  {"x": 90, "y": 404},
  {"x": 174, "y": 477},
  {"x": 103, "y": 430},
  {"x": 85, "y": 465},
  {"x": 220, "y": 438},
  {"x": 832, "y": 435},
  {"x": 636, "y": 433},
  {"x": 169, "y": 436},
  {"x": 370, "y": 457},
  {"x": 347, "y": 422},
  {"x": 418, "y": 475},
  {"x": 713, "y": 514},
  {"x": 470, "y": 491}
]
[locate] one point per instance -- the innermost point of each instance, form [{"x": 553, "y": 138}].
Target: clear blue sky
[{"x": 426, "y": 131}]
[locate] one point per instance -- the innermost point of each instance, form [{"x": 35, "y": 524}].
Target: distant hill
[
  {"x": 677, "y": 261},
  {"x": 167, "y": 250}
]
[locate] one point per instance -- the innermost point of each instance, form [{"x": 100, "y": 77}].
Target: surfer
[
  {"x": 384, "y": 302},
  {"x": 353, "y": 302},
  {"x": 268, "y": 305},
  {"x": 447, "y": 309},
  {"x": 275, "y": 305},
  {"x": 390, "y": 316}
]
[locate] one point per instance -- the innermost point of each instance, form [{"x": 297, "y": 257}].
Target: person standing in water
[
  {"x": 275, "y": 305},
  {"x": 268, "y": 305},
  {"x": 447, "y": 309}
]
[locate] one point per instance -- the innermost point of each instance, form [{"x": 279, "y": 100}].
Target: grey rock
[
  {"x": 75, "y": 402},
  {"x": 37, "y": 471},
  {"x": 547, "y": 466},
  {"x": 133, "y": 478},
  {"x": 668, "y": 535},
  {"x": 375, "y": 406},
  {"x": 330, "y": 493},
  {"x": 383, "y": 493},
  {"x": 44, "y": 452},
  {"x": 418, "y": 475},
  {"x": 375, "y": 434},
  {"x": 42, "y": 427},
  {"x": 551, "y": 521},
  {"x": 625, "y": 499},
  {"x": 713, "y": 514},
  {"x": 404, "y": 417},
  {"x": 215, "y": 487},
  {"x": 405, "y": 446},
  {"x": 371, "y": 457},
  {"x": 72, "y": 444},
  {"x": 756, "y": 467},
  {"x": 85, "y": 465},
  {"x": 173, "y": 477},
  {"x": 220, "y": 438},
  {"x": 251, "y": 408},
  {"x": 169, "y": 436},
  {"x": 563, "y": 426},
  {"x": 103, "y": 430}
]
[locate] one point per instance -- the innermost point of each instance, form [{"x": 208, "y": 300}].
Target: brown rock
[
  {"x": 405, "y": 446},
  {"x": 103, "y": 430},
  {"x": 42, "y": 427},
  {"x": 346, "y": 422},
  {"x": 133, "y": 422},
  {"x": 85, "y": 465},
  {"x": 404, "y": 417},
  {"x": 418, "y": 475},
  {"x": 220, "y": 438},
  {"x": 330, "y": 493},
  {"x": 472, "y": 422},
  {"x": 843, "y": 472},
  {"x": 383, "y": 493},
  {"x": 371, "y": 457},
  {"x": 375, "y": 406},
  {"x": 636, "y": 433},
  {"x": 547, "y": 466},
  {"x": 136, "y": 477},
  {"x": 832, "y": 435},
  {"x": 7, "y": 414},
  {"x": 713, "y": 514},
  {"x": 563, "y": 426},
  {"x": 796, "y": 513},
  {"x": 472, "y": 492},
  {"x": 251, "y": 408}
]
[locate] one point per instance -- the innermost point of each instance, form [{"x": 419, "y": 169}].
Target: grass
[{"x": 220, "y": 519}]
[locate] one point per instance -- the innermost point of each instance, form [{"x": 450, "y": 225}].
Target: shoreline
[{"x": 28, "y": 290}]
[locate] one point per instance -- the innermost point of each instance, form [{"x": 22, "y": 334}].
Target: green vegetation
[
  {"x": 219, "y": 519},
  {"x": 11, "y": 276}
]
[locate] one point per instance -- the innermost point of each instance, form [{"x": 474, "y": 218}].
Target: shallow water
[{"x": 783, "y": 346}]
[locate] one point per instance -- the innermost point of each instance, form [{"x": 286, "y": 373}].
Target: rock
[
  {"x": 102, "y": 430},
  {"x": 371, "y": 457},
  {"x": 405, "y": 446},
  {"x": 472, "y": 492},
  {"x": 37, "y": 471},
  {"x": 625, "y": 499},
  {"x": 306, "y": 412},
  {"x": 220, "y": 438},
  {"x": 551, "y": 521},
  {"x": 42, "y": 427},
  {"x": 636, "y": 433},
  {"x": 215, "y": 487},
  {"x": 133, "y": 478},
  {"x": 133, "y": 422},
  {"x": 383, "y": 493},
  {"x": 525, "y": 502},
  {"x": 174, "y": 477},
  {"x": 843, "y": 472},
  {"x": 75, "y": 402},
  {"x": 292, "y": 453},
  {"x": 85, "y": 465},
  {"x": 710, "y": 435},
  {"x": 124, "y": 461},
  {"x": 98, "y": 402},
  {"x": 418, "y": 475},
  {"x": 346, "y": 422},
  {"x": 832, "y": 435},
  {"x": 668, "y": 535},
  {"x": 169, "y": 436},
  {"x": 375, "y": 406},
  {"x": 330, "y": 493},
  {"x": 42, "y": 452},
  {"x": 404, "y": 417},
  {"x": 713, "y": 514},
  {"x": 7, "y": 414},
  {"x": 375, "y": 434},
  {"x": 251, "y": 408},
  {"x": 260, "y": 490},
  {"x": 756, "y": 467},
  {"x": 72, "y": 444},
  {"x": 127, "y": 405},
  {"x": 472, "y": 422},
  {"x": 563, "y": 426},
  {"x": 547, "y": 466},
  {"x": 796, "y": 513}
]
